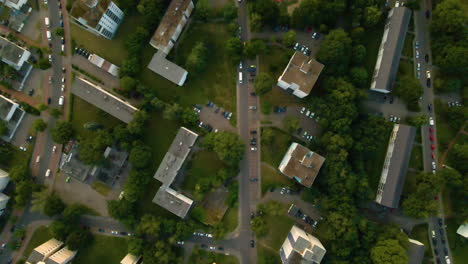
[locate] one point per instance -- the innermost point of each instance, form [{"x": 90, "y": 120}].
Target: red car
[
  {"x": 432, "y": 146},
  {"x": 433, "y": 156},
  {"x": 431, "y": 137},
  {"x": 431, "y": 129}
]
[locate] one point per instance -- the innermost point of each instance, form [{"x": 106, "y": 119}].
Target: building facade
[
  {"x": 14, "y": 4},
  {"x": 12, "y": 115},
  {"x": 101, "y": 17},
  {"x": 12, "y": 54}
]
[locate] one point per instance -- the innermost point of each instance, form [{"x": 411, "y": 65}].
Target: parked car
[{"x": 252, "y": 243}]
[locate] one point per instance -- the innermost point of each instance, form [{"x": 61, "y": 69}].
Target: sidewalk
[{"x": 19, "y": 96}]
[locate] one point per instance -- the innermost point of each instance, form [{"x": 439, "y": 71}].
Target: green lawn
[
  {"x": 39, "y": 236},
  {"x": 410, "y": 184},
  {"x": 458, "y": 244},
  {"x": 278, "y": 227},
  {"x": 371, "y": 41},
  {"x": 200, "y": 256},
  {"x": 203, "y": 164},
  {"x": 416, "y": 158},
  {"x": 215, "y": 83},
  {"x": 408, "y": 47},
  {"x": 273, "y": 153},
  {"x": 103, "y": 249},
  {"x": 273, "y": 62},
  {"x": 461, "y": 140},
  {"x": 111, "y": 50},
  {"x": 83, "y": 112},
  {"x": 420, "y": 233},
  {"x": 267, "y": 255},
  {"x": 272, "y": 178},
  {"x": 230, "y": 219},
  {"x": 445, "y": 133}
]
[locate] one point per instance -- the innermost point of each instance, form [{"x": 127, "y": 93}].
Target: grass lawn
[
  {"x": 216, "y": 83},
  {"x": 84, "y": 112},
  {"x": 111, "y": 50},
  {"x": 445, "y": 133},
  {"x": 267, "y": 255},
  {"x": 272, "y": 178},
  {"x": 374, "y": 163},
  {"x": 410, "y": 184},
  {"x": 203, "y": 164},
  {"x": 273, "y": 62},
  {"x": 273, "y": 153},
  {"x": 103, "y": 249},
  {"x": 408, "y": 47},
  {"x": 416, "y": 158},
  {"x": 420, "y": 233},
  {"x": 204, "y": 257},
  {"x": 278, "y": 227},
  {"x": 371, "y": 41},
  {"x": 458, "y": 244},
  {"x": 461, "y": 140},
  {"x": 39, "y": 236},
  {"x": 230, "y": 219}
]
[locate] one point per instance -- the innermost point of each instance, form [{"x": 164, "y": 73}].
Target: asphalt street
[{"x": 439, "y": 242}]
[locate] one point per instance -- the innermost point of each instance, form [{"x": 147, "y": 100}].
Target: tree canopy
[
  {"x": 335, "y": 52},
  {"x": 263, "y": 83},
  {"x": 62, "y": 132},
  {"x": 228, "y": 146}
]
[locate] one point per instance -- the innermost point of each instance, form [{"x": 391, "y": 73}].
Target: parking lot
[{"x": 214, "y": 116}]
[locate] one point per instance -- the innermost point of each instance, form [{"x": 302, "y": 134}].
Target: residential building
[
  {"x": 4, "y": 180},
  {"x": 415, "y": 252},
  {"x": 395, "y": 165},
  {"x": 168, "y": 170},
  {"x": 463, "y": 230},
  {"x": 42, "y": 252},
  {"x": 72, "y": 166},
  {"x": 300, "y": 75},
  {"x": 103, "y": 99},
  {"x": 12, "y": 54},
  {"x": 12, "y": 115},
  {"x": 301, "y": 164},
  {"x": 104, "y": 65},
  {"x": 131, "y": 259},
  {"x": 14, "y": 4},
  {"x": 101, "y": 17},
  {"x": 390, "y": 49},
  {"x": 3, "y": 202},
  {"x": 165, "y": 37},
  {"x": 63, "y": 256},
  {"x": 301, "y": 247}
]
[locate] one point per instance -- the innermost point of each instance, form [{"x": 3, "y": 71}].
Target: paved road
[{"x": 439, "y": 242}]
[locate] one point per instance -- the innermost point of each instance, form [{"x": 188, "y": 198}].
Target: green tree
[
  {"x": 122, "y": 210},
  {"x": 197, "y": 59},
  {"x": 149, "y": 225},
  {"x": 128, "y": 84},
  {"x": 62, "y": 132},
  {"x": 267, "y": 10},
  {"x": 259, "y": 226},
  {"x": 417, "y": 120},
  {"x": 409, "y": 90},
  {"x": 91, "y": 149},
  {"x": 449, "y": 18},
  {"x": 204, "y": 11},
  {"x": 160, "y": 253},
  {"x": 263, "y": 83},
  {"x": 267, "y": 136},
  {"x": 130, "y": 67},
  {"x": 135, "y": 246},
  {"x": 291, "y": 123},
  {"x": 23, "y": 192},
  {"x": 3, "y": 128},
  {"x": 53, "y": 205},
  {"x": 453, "y": 59},
  {"x": 335, "y": 52},
  {"x": 140, "y": 156},
  {"x": 135, "y": 126},
  {"x": 158, "y": 104},
  {"x": 359, "y": 76},
  {"x": 60, "y": 229},
  {"x": 228, "y": 146},
  {"x": 256, "y": 23},
  {"x": 254, "y": 47},
  {"x": 372, "y": 15},
  {"x": 229, "y": 12},
  {"x": 289, "y": 38},
  {"x": 39, "y": 200},
  {"x": 452, "y": 177},
  {"x": 19, "y": 173},
  {"x": 173, "y": 112},
  {"x": 43, "y": 64},
  {"x": 359, "y": 53},
  {"x": 234, "y": 49},
  {"x": 55, "y": 112},
  {"x": 459, "y": 157},
  {"x": 388, "y": 251},
  {"x": 59, "y": 31},
  {"x": 38, "y": 125},
  {"x": 78, "y": 239}
]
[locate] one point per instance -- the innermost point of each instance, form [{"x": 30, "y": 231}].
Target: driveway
[
  {"x": 22, "y": 132},
  {"x": 307, "y": 124},
  {"x": 216, "y": 120},
  {"x": 379, "y": 103},
  {"x": 307, "y": 208}
]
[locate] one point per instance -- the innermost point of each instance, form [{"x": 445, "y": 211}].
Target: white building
[
  {"x": 300, "y": 75},
  {"x": 12, "y": 114},
  {"x": 301, "y": 247},
  {"x": 130, "y": 259},
  {"x": 101, "y": 17},
  {"x": 14, "y": 4},
  {"x": 463, "y": 230},
  {"x": 12, "y": 54},
  {"x": 45, "y": 250},
  {"x": 3, "y": 202},
  {"x": 63, "y": 256},
  {"x": 4, "y": 180}
]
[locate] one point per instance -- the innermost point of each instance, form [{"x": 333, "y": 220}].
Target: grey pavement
[
  {"x": 34, "y": 23},
  {"x": 22, "y": 133},
  {"x": 110, "y": 81},
  {"x": 216, "y": 120},
  {"x": 307, "y": 124}
]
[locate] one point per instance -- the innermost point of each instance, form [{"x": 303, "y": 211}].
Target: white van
[
  {"x": 240, "y": 77},
  {"x": 61, "y": 99},
  {"x": 38, "y": 158},
  {"x": 49, "y": 36},
  {"x": 47, "y": 22},
  {"x": 47, "y": 173}
]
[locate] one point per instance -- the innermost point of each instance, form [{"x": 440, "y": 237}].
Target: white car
[
  {"x": 428, "y": 74},
  {"x": 61, "y": 99},
  {"x": 50, "y": 58},
  {"x": 240, "y": 65},
  {"x": 252, "y": 107},
  {"x": 283, "y": 190},
  {"x": 180, "y": 242},
  {"x": 200, "y": 124},
  {"x": 212, "y": 248},
  {"x": 418, "y": 66},
  {"x": 417, "y": 54},
  {"x": 307, "y": 113},
  {"x": 312, "y": 115},
  {"x": 22, "y": 148},
  {"x": 253, "y": 149},
  {"x": 433, "y": 165},
  {"x": 209, "y": 235},
  {"x": 431, "y": 121},
  {"x": 47, "y": 173},
  {"x": 216, "y": 130},
  {"x": 302, "y": 110},
  {"x": 45, "y": 2},
  {"x": 63, "y": 79},
  {"x": 54, "y": 148},
  {"x": 229, "y": 116},
  {"x": 63, "y": 48}
]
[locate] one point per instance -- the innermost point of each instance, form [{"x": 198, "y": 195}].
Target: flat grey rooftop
[
  {"x": 167, "y": 69},
  {"x": 103, "y": 100},
  {"x": 175, "y": 156},
  {"x": 173, "y": 201}
]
